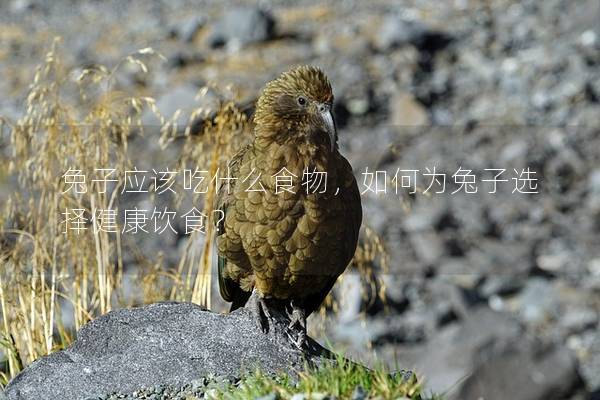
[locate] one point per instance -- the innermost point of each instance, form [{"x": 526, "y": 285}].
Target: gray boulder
[
  {"x": 489, "y": 355},
  {"x": 523, "y": 370},
  {"x": 187, "y": 29},
  {"x": 159, "y": 344},
  {"x": 184, "y": 99},
  {"x": 397, "y": 31},
  {"x": 241, "y": 26}
]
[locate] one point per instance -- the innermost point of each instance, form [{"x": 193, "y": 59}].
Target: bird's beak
[{"x": 329, "y": 123}]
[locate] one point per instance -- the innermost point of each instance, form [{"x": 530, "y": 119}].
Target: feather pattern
[{"x": 290, "y": 244}]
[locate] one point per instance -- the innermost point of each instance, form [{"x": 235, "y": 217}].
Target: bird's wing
[
  {"x": 353, "y": 215},
  {"x": 229, "y": 289}
]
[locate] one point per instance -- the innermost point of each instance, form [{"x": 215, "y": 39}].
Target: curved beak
[{"x": 329, "y": 123}]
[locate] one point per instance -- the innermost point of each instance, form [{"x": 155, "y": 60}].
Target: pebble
[{"x": 241, "y": 26}]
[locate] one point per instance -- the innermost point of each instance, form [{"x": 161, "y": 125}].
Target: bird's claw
[
  {"x": 261, "y": 313},
  {"x": 298, "y": 341},
  {"x": 297, "y": 318}
]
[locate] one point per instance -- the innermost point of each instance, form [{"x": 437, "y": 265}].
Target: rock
[
  {"x": 180, "y": 59},
  {"x": 242, "y": 26},
  {"x": 593, "y": 197},
  {"x": 577, "y": 320},
  {"x": 449, "y": 356},
  {"x": 20, "y": 6},
  {"x": 354, "y": 94},
  {"x": 428, "y": 247},
  {"x": 310, "y": 396},
  {"x": 186, "y": 30},
  {"x": 539, "y": 301},
  {"x": 405, "y": 110},
  {"x": 447, "y": 300},
  {"x": 197, "y": 389},
  {"x": 159, "y": 344},
  {"x": 507, "y": 258},
  {"x": 501, "y": 285},
  {"x": 183, "y": 99},
  {"x": 497, "y": 359},
  {"x": 514, "y": 152},
  {"x": 523, "y": 371},
  {"x": 359, "y": 393},
  {"x": 395, "y": 296},
  {"x": 350, "y": 297},
  {"x": 424, "y": 216},
  {"x": 357, "y": 334},
  {"x": 589, "y": 38},
  {"x": 460, "y": 272},
  {"x": 587, "y": 348},
  {"x": 397, "y": 31},
  {"x": 270, "y": 396}
]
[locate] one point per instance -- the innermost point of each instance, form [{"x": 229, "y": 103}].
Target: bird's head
[{"x": 297, "y": 105}]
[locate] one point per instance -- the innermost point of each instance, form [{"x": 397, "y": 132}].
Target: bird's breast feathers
[{"x": 291, "y": 242}]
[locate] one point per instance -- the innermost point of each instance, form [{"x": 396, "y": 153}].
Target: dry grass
[{"x": 51, "y": 282}]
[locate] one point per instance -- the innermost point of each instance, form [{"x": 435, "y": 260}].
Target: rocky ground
[{"x": 494, "y": 294}]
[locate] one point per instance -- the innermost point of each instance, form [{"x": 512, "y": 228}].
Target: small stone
[
  {"x": 496, "y": 303},
  {"x": 501, "y": 285},
  {"x": 242, "y": 26},
  {"x": 539, "y": 301},
  {"x": 589, "y": 38},
  {"x": 577, "y": 320},
  {"x": 197, "y": 384},
  {"x": 396, "y": 31},
  {"x": 400, "y": 30},
  {"x": 553, "y": 262},
  {"x": 359, "y": 393},
  {"x": 594, "y": 182},
  {"x": 19, "y": 6},
  {"x": 357, "y": 106},
  {"x": 181, "y": 59},
  {"x": 405, "y": 110},
  {"x": 460, "y": 273},
  {"x": 270, "y": 396},
  {"x": 428, "y": 246},
  {"x": 404, "y": 376},
  {"x": 514, "y": 152},
  {"x": 594, "y": 267},
  {"x": 188, "y": 28},
  {"x": 350, "y": 297}
]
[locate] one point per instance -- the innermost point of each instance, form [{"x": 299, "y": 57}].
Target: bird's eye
[{"x": 302, "y": 101}]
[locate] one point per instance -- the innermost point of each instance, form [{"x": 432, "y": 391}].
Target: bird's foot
[
  {"x": 260, "y": 312},
  {"x": 297, "y": 319}
]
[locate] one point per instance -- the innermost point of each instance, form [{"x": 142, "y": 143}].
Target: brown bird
[{"x": 288, "y": 243}]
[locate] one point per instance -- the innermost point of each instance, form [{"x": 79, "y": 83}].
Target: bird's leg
[
  {"x": 260, "y": 311},
  {"x": 297, "y": 318}
]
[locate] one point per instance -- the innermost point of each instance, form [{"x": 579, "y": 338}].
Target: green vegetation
[{"x": 342, "y": 380}]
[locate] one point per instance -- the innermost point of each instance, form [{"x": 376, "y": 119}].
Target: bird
[{"x": 288, "y": 244}]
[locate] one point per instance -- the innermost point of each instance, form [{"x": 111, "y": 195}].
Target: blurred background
[{"x": 486, "y": 295}]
